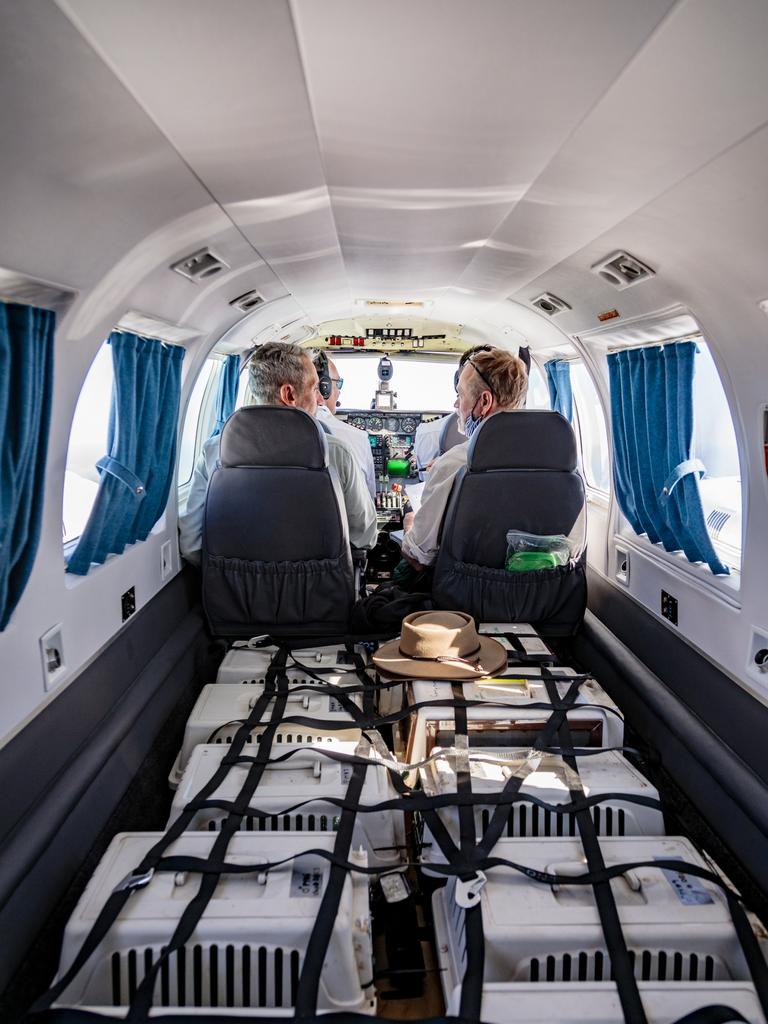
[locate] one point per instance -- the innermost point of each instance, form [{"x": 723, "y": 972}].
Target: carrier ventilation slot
[
  {"x": 716, "y": 520},
  {"x": 295, "y": 681},
  {"x": 247, "y": 301},
  {"x": 622, "y": 270},
  {"x": 211, "y": 975},
  {"x": 280, "y": 737},
  {"x": 280, "y": 823},
  {"x": 530, "y": 820},
  {"x": 550, "y": 304},
  {"x": 648, "y": 964},
  {"x": 200, "y": 265}
]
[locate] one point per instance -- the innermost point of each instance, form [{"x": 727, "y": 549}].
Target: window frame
[{"x": 205, "y": 415}]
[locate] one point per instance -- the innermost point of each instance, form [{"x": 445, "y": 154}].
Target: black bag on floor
[{"x": 382, "y": 611}]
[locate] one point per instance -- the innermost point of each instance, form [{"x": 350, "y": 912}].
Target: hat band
[{"x": 443, "y": 658}]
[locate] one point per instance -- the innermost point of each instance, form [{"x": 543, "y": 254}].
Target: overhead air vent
[
  {"x": 549, "y": 304},
  {"x": 247, "y": 301},
  {"x": 622, "y": 270},
  {"x": 200, "y": 265}
]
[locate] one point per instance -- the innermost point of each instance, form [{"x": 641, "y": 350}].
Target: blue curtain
[
  {"x": 26, "y": 383},
  {"x": 136, "y": 473},
  {"x": 226, "y": 395},
  {"x": 656, "y": 479},
  {"x": 560, "y": 391}
]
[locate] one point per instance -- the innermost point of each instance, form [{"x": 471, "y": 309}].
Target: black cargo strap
[
  {"x": 325, "y": 922},
  {"x": 142, "y": 874},
  {"x": 623, "y": 969},
  {"x": 463, "y": 860}
]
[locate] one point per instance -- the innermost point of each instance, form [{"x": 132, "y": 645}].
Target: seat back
[
  {"x": 449, "y": 434},
  {"x": 276, "y": 555},
  {"x": 520, "y": 475}
]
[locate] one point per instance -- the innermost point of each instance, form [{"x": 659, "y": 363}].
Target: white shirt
[
  {"x": 357, "y": 440},
  {"x": 426, "y": 443},
  {"x": 421, "y": 541},
  {"x": 361, "y": 512}
]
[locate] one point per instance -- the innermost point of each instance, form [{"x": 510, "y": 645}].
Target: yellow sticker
[{"x": 503, "y": 681}]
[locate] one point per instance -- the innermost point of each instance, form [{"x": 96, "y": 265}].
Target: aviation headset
[{"x": 324, "y": 382}]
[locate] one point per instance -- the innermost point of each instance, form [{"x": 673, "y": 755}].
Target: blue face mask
[{"x": 471, "y": 424}]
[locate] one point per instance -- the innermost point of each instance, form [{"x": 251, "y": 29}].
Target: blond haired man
[{"x": 491, "y": 381}]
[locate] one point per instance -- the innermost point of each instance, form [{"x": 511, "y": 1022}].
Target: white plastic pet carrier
[
  {"x": 546, "y": 777},
  {"x": 307, "y": 775},
  {"x": 524, "y": 633},
  {"x": 599, "y": 1003},
  {"x": 222, "y": 707},
  {"x": 248, "y": 948},
  {"x": 598, "y": 725},
  {"x": 677, "y": 927},
  {"x": 244, "y": 665}
]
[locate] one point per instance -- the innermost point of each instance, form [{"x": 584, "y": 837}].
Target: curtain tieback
[
  {"x": 677, "y": 474},
  {"x": 123, "y": 474}
]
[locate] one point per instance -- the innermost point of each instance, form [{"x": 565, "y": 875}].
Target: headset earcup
[{"x": 324, "y": 382}]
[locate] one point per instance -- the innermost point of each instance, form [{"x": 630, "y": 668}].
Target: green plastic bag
[{"x": 527, "y": 552}]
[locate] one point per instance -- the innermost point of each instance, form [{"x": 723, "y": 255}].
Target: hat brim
[{"x": 390, "y": 662}]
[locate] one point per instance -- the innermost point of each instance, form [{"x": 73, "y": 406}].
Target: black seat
[
  {"x": 276, "y": 555},
  {"x": 521, "y": 475}
]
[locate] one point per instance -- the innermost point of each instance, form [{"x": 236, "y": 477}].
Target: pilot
[
  {"x": 491, "y": 380},
  {"x": 282, "y": 375},
  {"x": 329, "y": 385}
]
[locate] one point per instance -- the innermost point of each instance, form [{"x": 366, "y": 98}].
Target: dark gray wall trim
[
  {"x": 728, "y": 794},
  {"x": 146, "y": 671},
  {"x": 739, "y": 719}
]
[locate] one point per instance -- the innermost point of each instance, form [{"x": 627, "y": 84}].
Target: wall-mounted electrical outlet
[
  {"x": 128, "y": 602},
  {"x": 166, "y": 562},
  {"x": 757, "y": 662},
  {"x": 52, "y": 654},
  {"x": 669, "y": 607},
  {"x": 621, "y": 570}
]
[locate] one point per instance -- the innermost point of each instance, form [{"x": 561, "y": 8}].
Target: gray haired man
[{"x": 282, "y": 375}]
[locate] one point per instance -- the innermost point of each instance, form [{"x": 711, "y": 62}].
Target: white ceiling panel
[
  {"x": 85, "y": 175},
  {"x": 224, "y": 82},
  {"x": 676, "y": 106},
  {"x": 435, "y": 118}
]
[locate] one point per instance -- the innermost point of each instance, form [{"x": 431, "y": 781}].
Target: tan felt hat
[{"x": 440, "y": 645}]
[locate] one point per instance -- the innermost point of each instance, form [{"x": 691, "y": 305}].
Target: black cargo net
[{"x": 464, "y": 864}]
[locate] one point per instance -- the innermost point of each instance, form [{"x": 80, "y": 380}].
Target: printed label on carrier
[
  {"x": 494, "y": 628},
  {"x": 534, "y": 645},
  {"x": 334, "y": 704},
  {"x": 307, "y": 883},
  {"x": 688, "y": 889}
]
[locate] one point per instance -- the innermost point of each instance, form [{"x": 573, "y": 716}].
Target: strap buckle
[
  {"x": 135, "y": 880},
  {"x": 467, "y": 892}
]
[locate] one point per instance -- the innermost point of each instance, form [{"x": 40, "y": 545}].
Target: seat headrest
[
  {"x": 273, "y": 435},
  {"x": 449, "y": 434},
  {"x": 524, "y": 439}
]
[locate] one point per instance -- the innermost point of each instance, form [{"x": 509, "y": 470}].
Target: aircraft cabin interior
[{"x": 384, "y": 511}]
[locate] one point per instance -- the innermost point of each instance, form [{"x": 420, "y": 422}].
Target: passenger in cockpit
[
  {"x": 426, "y": 443},
  {"x": 329, "y": 386},
  {"x": 283, "y": 375},
  {"x": 492, "y": 380}
]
